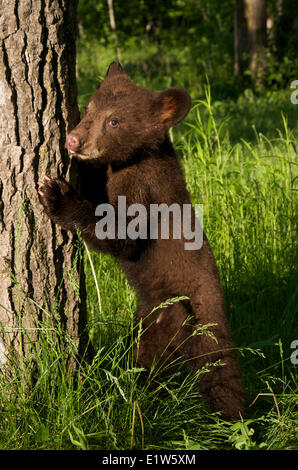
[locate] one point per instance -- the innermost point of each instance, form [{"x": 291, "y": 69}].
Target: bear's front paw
[{"x": 57, "y": 198}]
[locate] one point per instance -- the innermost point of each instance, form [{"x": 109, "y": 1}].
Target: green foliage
[
  {"x": 242, "y": 437},
  {"x": 179, "y": 42},
  {"x": 239, "y": 154}
]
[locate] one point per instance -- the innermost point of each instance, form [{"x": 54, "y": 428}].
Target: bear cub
[{"x": 125, "y": 129}]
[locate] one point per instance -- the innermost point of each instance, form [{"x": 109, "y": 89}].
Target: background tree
[
  {"x": 38, "y": 274},
  {"x": 250, "y": 38},
  {"x": 113, "y": 28}
]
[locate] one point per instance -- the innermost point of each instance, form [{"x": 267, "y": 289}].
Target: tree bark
[
  {"x": 241, "y": 49},
  {"x": 38, "y": 107},
  {"x": 250, "y": 38},
  {"x": 113, "y": 28}
]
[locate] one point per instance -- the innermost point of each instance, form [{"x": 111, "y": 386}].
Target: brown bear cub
[{"x": 125, "y": 127}]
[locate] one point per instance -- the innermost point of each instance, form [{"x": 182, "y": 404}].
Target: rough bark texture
[
  {"x": 38, "y": 107},
  {"x": 250, "y": 38}
]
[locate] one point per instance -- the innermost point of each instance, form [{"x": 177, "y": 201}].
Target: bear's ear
[
  {"x": 172, "y": 105},
  {"x": 114, "y": 69}
]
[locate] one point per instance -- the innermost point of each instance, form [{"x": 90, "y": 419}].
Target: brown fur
[{"x": 125, "y": 129}]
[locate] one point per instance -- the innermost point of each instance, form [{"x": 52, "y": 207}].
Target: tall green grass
[{"x": 248, "y": 194}]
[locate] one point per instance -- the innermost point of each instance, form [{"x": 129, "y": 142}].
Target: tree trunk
[
  {"x": 250, "y": 38},
  {"x": 113, "y": 28},
  {"x": 241, "y": 49},
  {"x": 38, "y": 107}
]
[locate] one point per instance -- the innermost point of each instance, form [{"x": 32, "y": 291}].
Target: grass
[
  {"x": 247, "y": 188},
  {"x": 250, "y": 213}
]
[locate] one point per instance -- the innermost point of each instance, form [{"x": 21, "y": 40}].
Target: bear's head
[{"x": 123, "y": 119}]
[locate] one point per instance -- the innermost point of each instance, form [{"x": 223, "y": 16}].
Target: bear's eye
[{"x": 113, "y": 123}]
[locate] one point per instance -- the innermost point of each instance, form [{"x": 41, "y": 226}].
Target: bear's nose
[{"x": 73, "y": 143}]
